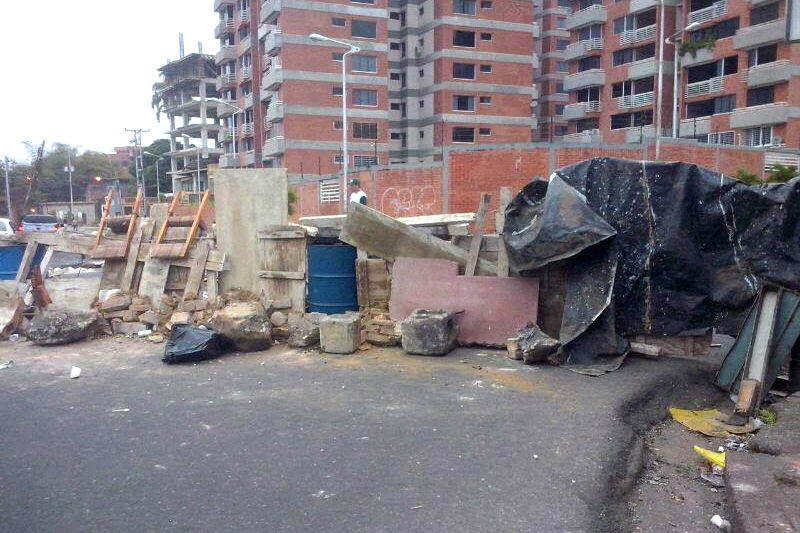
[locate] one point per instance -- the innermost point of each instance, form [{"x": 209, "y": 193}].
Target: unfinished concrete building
[{"x": 193, "y": 123}]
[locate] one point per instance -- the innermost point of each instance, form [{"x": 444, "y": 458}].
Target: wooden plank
[
  {"x": 362, "y": 282},
  {"x": 212, "y": 285},
  {"x": 48, "y": 256},
  {"x": 477, "y": 235},
  {"x": 175, "y": 233},
  {"x": 130, "y": 264},
  {"x": 172, "y": 206},
  {"x": 196, "y": 224},
  {"x": 278, "y": 274},
  {"x": 196, "y": 271},
  {"x": 500, "y": 221},
  {"x": 154, "y": 279},
  {"x": 337, "y": 221},
  {"x": 103, "y": 220},
  {"x": 27, "y": 260},
  {"x": 298, "y": 233},
  {"x": 387, "y": 238}
]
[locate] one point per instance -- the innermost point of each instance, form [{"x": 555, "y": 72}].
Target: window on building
[
  {"x": 394, "y": 135},
  {"x": 463, "y": 102},
  {"x": 394, "y": 15},
  {"x": 589, "y": 63},
  {"x": 760, "y": 136},
  {"x": 422, "y": 73},
  {"x": 594, "y": 31},
  {"x": 632, "y": 120},
  {"x": 337, "y": 124},
  {"x": 486, "y": 36},
  {"x": 336, "y": 90},
  {"x": 464, "y": 38},
  {"x": 561, "y": 44},
  {"x": 486, "y": 69},
  {"x": 723, "y": 137},
  {"x": 336, "y": 21},
  {"x": 485, "y": 100},
  {"x": 329, "y": 190},
  {"x": 721, "y": 30},
  {"x": 762, "y": 14},
  {"x": 761, "y": 55},
  {"x": 724, "y": 104},
  {"x": 394, "y": 76},
  {"x": 486, "y": 4},
  {"x": 365, "y": 97},
  {"x": 337, "y": 56},
  {"x": 761, "y": 96},
  {"x": 589, "y": 94},
  {"x": 560, "y": 87},
  {"x": 464, "y": 7},
  {"x": 712, "y": 106},
  {"x": 421, "y": 103},
  {"x": 586, "y": 124},
  {"x": 338, "y": 159},
  {"x": 365, "y": 29},
  {"x": 364, "y": 160},
  {"x": 562, "y": 66},
  {"x": 559, "y": 109},
  {"x": 464, "y": 71},
  {"x": 362, "y": 63},
  {"x": 485, "y": 132},
  {"x": 363, "y": 1},
  {"x": 394, "y": 45},
  {"x": 365, "y": 130},
  {"x": 463, "y": 135},
  {"x": 394, "y": 106}
]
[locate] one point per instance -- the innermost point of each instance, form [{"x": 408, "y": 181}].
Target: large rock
[
  {"x": 62, "y": 326},
  {"x": 302, "y": 332},
  {"x": 532, "y": 345},
  {"x": 339, "y": 333},
  {"x": 245, "y": 324},
  {"x": 429, "y": 332},
  {"x": 117, "y": 302}
]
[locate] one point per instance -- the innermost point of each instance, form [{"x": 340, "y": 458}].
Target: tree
[
  {"x": 781, "y": 173},
  {"x": 18, "y": 175}
]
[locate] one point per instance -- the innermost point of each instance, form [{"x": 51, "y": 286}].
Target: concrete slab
[{"x": 494, "y": 308}]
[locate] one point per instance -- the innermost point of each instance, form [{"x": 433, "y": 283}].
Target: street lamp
[
  {"x": 237, "y": 110},
  {"x": 691, "y": 26},
  {"x": 352, "y": 49},
  {"x": 70, "y": 169},
  {"x": 158, "y": 184}
]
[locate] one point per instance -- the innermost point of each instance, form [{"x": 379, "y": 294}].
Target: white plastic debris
[
  {"x": 120, "y": 410},
  {"x": 74, "y": 372},
  {"x": 9, "y": 364},
  {"x": 14, "y": 337},
  {"x": 145, "y": 333},
  {"x": 105, "y": 294},
  {"x": 721, "y": 523}
]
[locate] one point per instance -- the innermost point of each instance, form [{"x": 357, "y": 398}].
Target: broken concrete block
[
  {"x": 156, "y": 337},
  {"x": 140, "y": 300},
  {"x": 11, "y": 308},
  {"x": 114, "y": 314},
  {"x": 379, "y": 339},
  {"x": 127, "y": 328},
  {"x": 245, "y": 324},
  {"x": 117, "y": 302},
  {"x": 180, "y": 317},
  {"x": 429, "y": 332},
  {"x": 315, "y": 317},
  {"x": 150, "y": 317},
  {"x": 193, "y": 305},
  {"x": 302, "y": 332},
  {"x": 533, "y": 345},
  {"x": 339, "y": 333},
  {"x": 130, "y": 315},
  {"x": 140, "y": 308},
  {"x": 62, "y": 326},
  {"x": 278, "y": 318}
]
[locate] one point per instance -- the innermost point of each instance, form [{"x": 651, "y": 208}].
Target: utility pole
[
  {"x": 8, "y": 193},
  {"x": 69, "y": 168},
  {"x": 137, "y": 144}
]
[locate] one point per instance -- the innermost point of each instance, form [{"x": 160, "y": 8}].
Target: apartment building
[
  {"x": 553, "y": 67},
  {"x": 740, "y": 81},
  {"x": 735, "y": 72},
  {"x": 182, "y": 95},
  {"x": 428, "y": 74}
]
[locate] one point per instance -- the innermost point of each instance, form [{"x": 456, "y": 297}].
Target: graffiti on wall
[{"x": 410, "y": 201}]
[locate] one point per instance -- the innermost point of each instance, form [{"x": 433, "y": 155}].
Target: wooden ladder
[
  {"x": 175, "y": 250},
  {"x": 105, "y": 248}
]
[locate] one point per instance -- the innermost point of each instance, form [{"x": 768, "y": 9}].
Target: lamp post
[
  {"x": 237, "y": 110},
  {"x": 69, "y": 168},
  {"x": 352, "y": 49},
  {"x": 158, "y": 184},
  {"x": 675, "y": 61}
]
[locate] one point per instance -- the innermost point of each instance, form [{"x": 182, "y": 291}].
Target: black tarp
[
  {"x": 190, "y": 344},
  {"x": 663, "y": 248}
]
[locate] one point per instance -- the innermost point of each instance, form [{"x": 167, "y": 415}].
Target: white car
[{"x": 6, "y": 230}]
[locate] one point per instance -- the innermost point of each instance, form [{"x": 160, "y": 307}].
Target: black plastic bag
[{"x": 188, "y": 344}]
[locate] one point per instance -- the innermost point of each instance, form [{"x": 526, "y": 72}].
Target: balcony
[
  {"x": 771, "y": 73},
  {"x": 219, "y": 3},
  {"x": 272, "y": 78},
  {"x": 760, "y": 34},
  {"x": 248, "y": 101},
  {"x": 244, "y": 16},
  {"x": 709, "y": 86},
  {"x": 246, "y": 73},
  {"x": 631, "y": 101},
  {"x": 225, "y": 134},
  {"x": 274, "y": 146},
  {"x": 273, "y": 42},
  {"x": 715, "y": 10},
  {"x": 275, "y": 111},
  {"x": 704, "y": 55},
  {"x": 582, "y": 48},
  {"x": 223, "y": 110},
  {"x": 763, "y": 115},
  {"x": 246, "y": 130},
  {"x": 586, "y": 136},
  {"x": 646, "y": 68},
  {"x": 224, "y": 27},
  {"x": 580, "y": 110},
  {"x": 226, "y": 80},
  {"x": 594, "y": 14},
  {"x": 639, "y": 134},
  {"x": 228, "y": 161},
  {"x": 692, "y": 127},
  {"x": 637, "y": 35},
  {"x": 270, "y": 10},
  {"x": 226, "y": 53},
  {"x": 587, "y": 78}
]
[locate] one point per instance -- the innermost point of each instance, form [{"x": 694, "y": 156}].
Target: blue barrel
[
  {"x": 332, "y": 279},
  {"x": 11, "y": 258}
]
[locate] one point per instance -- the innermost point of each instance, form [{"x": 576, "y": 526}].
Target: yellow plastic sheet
[{"x": 708, "y": 422}]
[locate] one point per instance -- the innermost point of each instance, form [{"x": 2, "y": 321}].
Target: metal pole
[
  {"x": 675, "y": 59},
  {"x": 69, "y": 167},
  {"x": 158, "y": 185},
  {"x": 344, "y": 130},
  {"x": 660, "y": 79},
  {"x": 8, "y": 194},
  {"x": 233, "y": 132}
]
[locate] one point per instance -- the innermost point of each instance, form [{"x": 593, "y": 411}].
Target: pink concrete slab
[{"x": 494, "y": 308}]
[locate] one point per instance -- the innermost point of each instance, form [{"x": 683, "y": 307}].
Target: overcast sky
[{"x": 82, "y": 71}]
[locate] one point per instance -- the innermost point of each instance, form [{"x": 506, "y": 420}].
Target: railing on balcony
[
  {"x": 635, "y": 100},
  {"x": 226, "y": 134},
  {"x": 715, "y": 10},
  {"x": 247, "y": 73},
  {"x": 711, "y": 85},
  {"x": 225, "y": 26},
  {"x": 244, "y": 16},
  {"x": 583, "y": 136},
  {"x": 247, "y": 129},
  {"x": 639, "y": 34},
  {"x": 228, "y": 79},
  {"x": 575, "y": 50}
]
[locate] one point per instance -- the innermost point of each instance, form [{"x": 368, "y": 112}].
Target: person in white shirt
[{"x": 358, "y": 196}]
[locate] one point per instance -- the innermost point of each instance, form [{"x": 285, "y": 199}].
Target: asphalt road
[{"x": 286, "y": 441}]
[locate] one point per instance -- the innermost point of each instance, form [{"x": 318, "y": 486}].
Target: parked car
[
  {"x": 5, "y": 227},
  {"x": 40, "y": 223}
]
